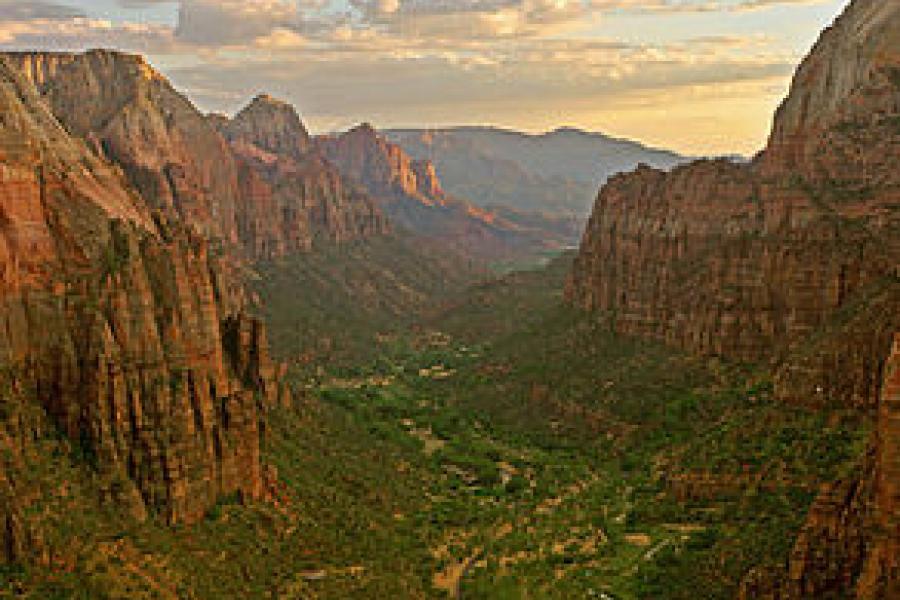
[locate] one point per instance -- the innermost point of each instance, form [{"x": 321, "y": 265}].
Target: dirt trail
[{"x": 451, "y": 577}]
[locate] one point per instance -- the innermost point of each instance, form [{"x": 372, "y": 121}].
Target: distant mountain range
[
  {"x": 557, "y": 172},
  {"x": 412, "y": 194}
]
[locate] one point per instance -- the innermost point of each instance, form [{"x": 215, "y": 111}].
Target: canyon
[
  {"x": 241, "y": 360},
  {"x": 558, "y": 172}
]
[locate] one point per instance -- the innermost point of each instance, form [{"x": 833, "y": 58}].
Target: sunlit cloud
[{"x": 82, "y": 33}]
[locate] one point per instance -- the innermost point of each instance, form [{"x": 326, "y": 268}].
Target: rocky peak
[
  {"x": 184, "y": 167},
  {"x": 135, "y": 118},
  {"x": 851, "y": 79},
  {"x": 382, "y": 166},
  {"x": 41, "y": 68},
  {"x": 113, "y": 78},
  {"x": 272, "y": 125},
  {"x": 363, "y": 130}
]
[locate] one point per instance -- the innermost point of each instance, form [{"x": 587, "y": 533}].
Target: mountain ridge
[
  {"x": 180, "y": 161},
  {"x": 554, "y": 173},
  {"x": 412, "y": 193}
]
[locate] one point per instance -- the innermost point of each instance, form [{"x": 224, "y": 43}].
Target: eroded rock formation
[
  {"x": 290, "y": 195},
  {"x": 737, "y": 260},
  {"x": 273, "y": 125}
]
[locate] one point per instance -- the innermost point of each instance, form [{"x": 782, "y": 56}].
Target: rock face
[
  {"x": 290, "y": 195},
  {"x": 791, "y": 259},
  {"x": 881, "y": 574},
  {"x": 115, "y": 311},
  {"x": 272, "y": 125},
  {"x": 732, "y": 260},
  {"x": 843, "y": 94},
  {"x": 131, "y": 336},
  {"x": 850, "y": 542},
  {"x": 410, "y": 193},
  {"x": 259, "y": 193},
  {"x": 134, "y": 117},
  {"x": 382, "y": 167}
]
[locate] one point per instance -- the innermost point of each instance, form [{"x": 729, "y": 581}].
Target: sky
[{"x": 701, "y": 77}]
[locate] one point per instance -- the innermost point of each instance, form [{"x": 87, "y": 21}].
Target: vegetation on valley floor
[{"x": 504, "y": 446}]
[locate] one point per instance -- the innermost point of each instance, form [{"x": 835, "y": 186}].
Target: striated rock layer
[
  {"x": 125, "y": 216},
  {"x": 737, "y": 260},
  {"x": 132, "y": 337},
  {"x": 791, "y": 259}
]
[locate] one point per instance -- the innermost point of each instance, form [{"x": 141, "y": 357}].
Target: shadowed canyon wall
[{"x": 791, "y": 260}]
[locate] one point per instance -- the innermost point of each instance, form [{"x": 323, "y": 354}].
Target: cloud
[
  {"x": 280, "y": 25},
  {"x": 81, "y": 33},
  {"x": 230, "y": 22},
  {"x": 760, "y": 4},
  {"x": 17, "y": 10},
  {"x": 379, "y": 77},
  {"x": 468, "y": 18},
  {"x": 691, "y": 6},
  {"x": 144, "y": 3}
]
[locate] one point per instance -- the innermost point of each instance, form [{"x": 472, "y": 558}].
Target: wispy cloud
[{"x": 16, "y": 10}]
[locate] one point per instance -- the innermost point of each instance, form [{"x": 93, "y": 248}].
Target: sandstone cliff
[
  {"x": 134, "y": 118},
  {"x": 381, "y": 166},
  {"x": 261, "y": 194},
  {"x": 554, "y": 174},
  {"x": 881, "y": 573},
  {"x": 735, "y": 260},
  {"x": 792, "y": 259},
  {"x": 272, "y": 125},
  {"x": 120, "y": 323}
]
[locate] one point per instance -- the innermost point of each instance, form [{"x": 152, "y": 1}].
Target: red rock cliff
[
  {"x": 881, "y": 573},
  {"x": 182, "y": 164},
  {"x": 381, "y": 166},
  {"x": 272, "y": 125},
  {"x": 289, "y": 194},
  {"x": 130, "y": 335},
  {"x": 411, "y": 195},
  {"x": 136, "y": 119},
  {"x": 792, "y": 260},
  {"x": 737, "y": 260}
]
